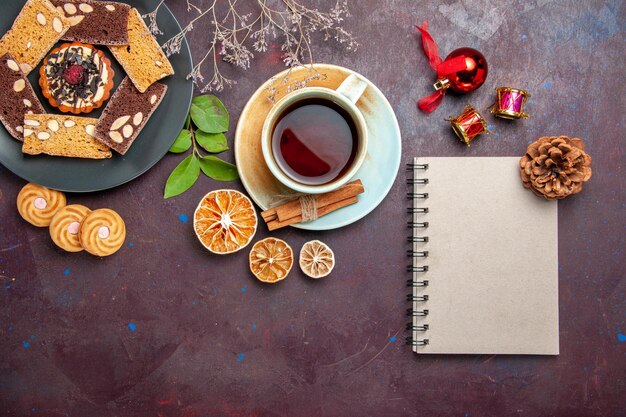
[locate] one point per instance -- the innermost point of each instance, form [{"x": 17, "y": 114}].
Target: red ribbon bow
[{"x": 443, "y": 68}]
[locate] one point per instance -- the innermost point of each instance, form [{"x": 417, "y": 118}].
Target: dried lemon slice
[
  {"x": 316, "y": 259},
  {"x": 225, "y": 221},
  {"x": 271, "y": 260}
]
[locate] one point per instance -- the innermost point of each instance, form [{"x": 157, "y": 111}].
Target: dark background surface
[{"x": 164, "y": 328}]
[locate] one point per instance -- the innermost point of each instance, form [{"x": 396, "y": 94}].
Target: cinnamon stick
[
  {"x": 269, "y": 215},
  {"x": 321, "y": 211},
  {"x": 293, "y": 208}
]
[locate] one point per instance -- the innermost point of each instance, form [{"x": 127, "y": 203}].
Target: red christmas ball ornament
[
  {"x": 475, "y": 74},
  {"x": 463, "y": 71}
]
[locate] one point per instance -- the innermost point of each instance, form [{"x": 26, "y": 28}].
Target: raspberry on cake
[{"x": 76, "y": 78}]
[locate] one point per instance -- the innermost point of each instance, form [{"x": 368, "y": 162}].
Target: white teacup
[{"x": 345, "y": 96}]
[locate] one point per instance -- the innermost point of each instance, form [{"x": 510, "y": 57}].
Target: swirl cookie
[
  {"x": 37, "y": 205},
  {"x": 102, "y": 232},
  {"x": 65, "y": 225}
]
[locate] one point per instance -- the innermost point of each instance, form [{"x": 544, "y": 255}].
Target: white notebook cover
[{"x": 492, "y": 260}]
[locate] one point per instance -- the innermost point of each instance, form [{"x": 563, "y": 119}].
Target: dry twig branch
[{"x": 236, "y": 37}]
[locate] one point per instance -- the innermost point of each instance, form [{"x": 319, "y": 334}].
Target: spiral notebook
[{"x": 484, "y": 260}]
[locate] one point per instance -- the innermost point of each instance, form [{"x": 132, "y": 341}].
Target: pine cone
[{"x": 555, "y": 167}]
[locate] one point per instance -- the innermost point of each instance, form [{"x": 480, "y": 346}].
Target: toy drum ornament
[
  {"x": 468, "y": 125},
  {"x": 510, "y": 103}
]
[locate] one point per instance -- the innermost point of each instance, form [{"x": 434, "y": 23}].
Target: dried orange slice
[
  {"x": 225, "y": 221},
  {"x": 316, "y": 259},
  {"x": 271, "y": 260}
]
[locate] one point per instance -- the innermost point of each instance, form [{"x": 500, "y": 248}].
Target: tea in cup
[{"x": 315, "y": 139}]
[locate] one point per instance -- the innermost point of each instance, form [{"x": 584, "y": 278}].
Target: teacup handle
[{"x": 352, "y": 87}]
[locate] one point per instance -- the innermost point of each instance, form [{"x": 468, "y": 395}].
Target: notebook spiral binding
[{"x": 418, "y": 236}]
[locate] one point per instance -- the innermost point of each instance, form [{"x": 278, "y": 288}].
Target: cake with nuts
[
  {"x": 76, "y": 78},
  {"x": 62, "y": 135},
  {"x": 35, "y": 30},
  {"x": 127, "y": 113},
  {"x": 95, "y": 22},
  {"x": 143, "y": 59},
  {"x": 17, "y": 97}
]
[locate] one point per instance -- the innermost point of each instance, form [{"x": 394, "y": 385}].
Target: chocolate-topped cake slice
[
  {"x": 95, "y": 22},
  {"x": 76, "y": 77},
  {"x": 17, "y": 97},
  {"x": 127, "y": 113}
]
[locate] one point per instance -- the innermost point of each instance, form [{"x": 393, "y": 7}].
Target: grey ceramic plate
[{"x": 85, "y": 175}]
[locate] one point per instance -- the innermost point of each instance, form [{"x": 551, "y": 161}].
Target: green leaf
[
  {"x": 212, "y": 142},
  {"x": 182, "y": 142},
  {"x": 209, "y": 114},
  {"x": 217, "y": 169},
  {"x": 183, "y": 177}
]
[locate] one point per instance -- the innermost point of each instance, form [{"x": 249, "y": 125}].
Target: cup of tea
[{"x": 315, "y": 139}]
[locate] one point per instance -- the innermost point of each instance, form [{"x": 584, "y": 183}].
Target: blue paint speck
[
  {"x": 26, "y": 344},
  {"x": 132, "y": 327},
  {"x": 243, "y": 289},
  {"x": 33, "y": 337},
  {"x": 240, "y": 357},
  {"x": 621, "y": 337},
  {"x": 523, "y": 37},
  {"x": 490, "y": 127},
  {"x": 131, "y": 244},
  {"x": 33, "y": 409},
  {"x": 253, "y": 327},
  {"x": 547, "y": 85},
  {"x": 9, "y": 328},
  {"x": 183, "y": 218},
  {"x": 66, "y": 272},
  {"x": 194, "y": 302},
  {"x": 392, "y": 339},
  {"x": 7, "y": 287}
]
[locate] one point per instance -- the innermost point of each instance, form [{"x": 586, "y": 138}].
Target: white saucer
[{"x": 377, "y": 173}]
